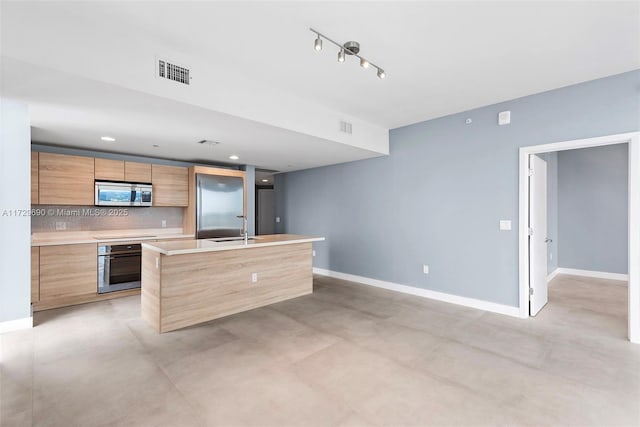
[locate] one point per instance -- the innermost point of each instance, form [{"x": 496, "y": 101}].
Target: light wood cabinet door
[
  {"x": 137, "y": 172},
  {"x": 65, "y": 180},
  {"x": 68, "y": 270},
  {"x": 170, "y": 185},
  {"x": 111, "y": 170},
  {"x": 34, "y": 177},
  {"x": 35, "y": 274}
]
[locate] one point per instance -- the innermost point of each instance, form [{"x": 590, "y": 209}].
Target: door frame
[{"x": 631, "y": 138}]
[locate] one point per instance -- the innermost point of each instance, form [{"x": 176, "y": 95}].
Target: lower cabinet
[
  {"x": 35, "y": 274},
  {"x": 68, "y": 271}
]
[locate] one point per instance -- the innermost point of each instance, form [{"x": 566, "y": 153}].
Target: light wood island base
[{"x": 185, "y": 289}]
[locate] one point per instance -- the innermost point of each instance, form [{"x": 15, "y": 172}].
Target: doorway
[
  {"x": 266, "y": 217},
  {"x": 533, "y": 252}
]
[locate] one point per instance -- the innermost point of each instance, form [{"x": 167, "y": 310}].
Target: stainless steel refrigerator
[{"x": 219, "y": 206}]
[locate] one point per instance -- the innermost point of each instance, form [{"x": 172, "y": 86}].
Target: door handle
[{"x": 548, "y": 240}]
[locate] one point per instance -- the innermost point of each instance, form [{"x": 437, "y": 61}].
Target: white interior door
[
  {"x": 266, "y": 211},
  {"x": 537, "y": 234}
]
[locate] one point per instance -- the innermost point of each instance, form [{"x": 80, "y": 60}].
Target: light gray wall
[
  {"x": 593, "y": 208},
  {"x": 251, "y": 200},
  {"x": 15, "y": 202},
  {"x": 438, "y": 197}
]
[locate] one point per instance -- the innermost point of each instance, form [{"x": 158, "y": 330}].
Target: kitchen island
[{"x": 193, "y": 281}]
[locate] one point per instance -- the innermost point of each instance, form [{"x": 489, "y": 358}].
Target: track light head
[
  {"x": 341, "y": 55},
  {"x": 364, "y": 63},
  {"x": 317, "y": 45},
  {"x": 381, "y": 74}
]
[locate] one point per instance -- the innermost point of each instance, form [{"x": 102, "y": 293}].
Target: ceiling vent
[
  {"x": 171, "y": 71},
  {"x": 208, "y": 142},
  {"x": 346, "y": 127}
]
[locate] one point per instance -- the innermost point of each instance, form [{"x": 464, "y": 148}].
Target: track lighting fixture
[{"x": 351, "y": 48}]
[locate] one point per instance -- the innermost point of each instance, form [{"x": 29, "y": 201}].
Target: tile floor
[{"x": 348, "y": 355}]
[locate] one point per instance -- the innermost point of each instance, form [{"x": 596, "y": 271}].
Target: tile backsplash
[{"x": 47, "y": 218}]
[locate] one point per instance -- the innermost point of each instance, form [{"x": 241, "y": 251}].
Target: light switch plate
[
  {"x": 505, "y": 224},
  {"x": 277, "y": 219},
  {"x": 504, "y": 118}
]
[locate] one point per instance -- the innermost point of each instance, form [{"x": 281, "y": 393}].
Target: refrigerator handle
[{"x": 199, "y": 207}]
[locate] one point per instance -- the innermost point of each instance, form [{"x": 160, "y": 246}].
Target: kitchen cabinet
[
  {"x": 35, "y": 274},
  {"x": 170, "y": 185},
  {"x": 68, "y": 270},
  {"x": 65, "y": 180},
  {"x": 34, "y": 177},
  {"x": 137, "y": 172},
  {"x": 109, "y": 170}
]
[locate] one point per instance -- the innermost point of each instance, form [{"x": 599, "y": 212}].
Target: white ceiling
[
  {"x": 440, "y": 58},
  {"x": 71, "y": 111}
]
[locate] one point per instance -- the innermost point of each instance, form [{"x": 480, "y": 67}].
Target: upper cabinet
[
  {"x": 137, "y": 172},
  {"x": 65, "y": 180},
  {"x": 120, "y": 170},
  {"x": 170, "y": 185},
  {"x": 34, "y": 178},
  {"x": 109, "y": 170},
  {"x": 60, "y": 179}
]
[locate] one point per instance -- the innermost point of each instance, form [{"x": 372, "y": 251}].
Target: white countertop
[
  {"x": 207, "y": 245},
  {"x": 105, "y": 236}
]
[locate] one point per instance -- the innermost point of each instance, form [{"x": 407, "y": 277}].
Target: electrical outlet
[
  {"x": 164, "y": 223},
  {"x": 61, "y": 226},
  {"x": 277, "y": 219},
  {"x": 550, "y": 256},
  {"x": 425, "y": 269},
  {"x": 313, "y": 253},
  {"x": 254, "y": 277}
]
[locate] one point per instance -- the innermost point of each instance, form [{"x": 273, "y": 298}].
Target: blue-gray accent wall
[
  {"x": 593, "y": 208},
  {"x": 438, "y": 197}
]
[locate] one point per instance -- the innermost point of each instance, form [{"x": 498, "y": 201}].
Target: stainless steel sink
[{"x": 230, "y": 239}]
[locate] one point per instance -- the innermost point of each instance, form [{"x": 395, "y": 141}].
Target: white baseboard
[
  {"x": 596, "y": 274},
  {"x": 553, "y": 274},
  {"x": 425, "y": 293},
  {"x": 16, "y": 325}
]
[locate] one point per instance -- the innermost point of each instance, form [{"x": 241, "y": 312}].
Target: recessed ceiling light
[
  {"x": 265, "y": 180},
  {"x": 234, "y": 157},
  {"x": 107, "y": 138}
]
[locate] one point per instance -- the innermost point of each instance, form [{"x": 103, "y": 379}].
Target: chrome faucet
[{"x": 245, "y": 232}]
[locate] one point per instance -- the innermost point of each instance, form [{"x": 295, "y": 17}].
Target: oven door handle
[{"x": 124, "y": 256}]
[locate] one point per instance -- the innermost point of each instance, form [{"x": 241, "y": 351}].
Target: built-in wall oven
[{"x": 118, "y": 267}]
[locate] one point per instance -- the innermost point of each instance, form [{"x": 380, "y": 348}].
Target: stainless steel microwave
[{"x": 122, "y": 194}]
